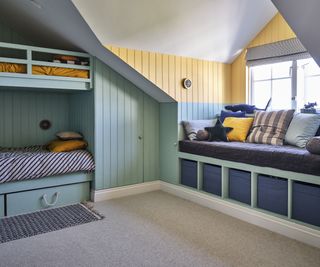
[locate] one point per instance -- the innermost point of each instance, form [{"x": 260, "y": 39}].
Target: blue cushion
[
  {"x": 225, "y": 114},
  {"x": 242, "y": 107}
]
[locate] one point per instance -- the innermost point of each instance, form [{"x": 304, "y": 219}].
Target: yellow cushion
[
  {"x": 241, "y": 128},
  {"x": 64, "y": 146}
]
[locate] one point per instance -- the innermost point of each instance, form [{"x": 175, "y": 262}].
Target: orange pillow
[
  {"x": 65, "y": 146},
  {"x": 241, "y": 128}
]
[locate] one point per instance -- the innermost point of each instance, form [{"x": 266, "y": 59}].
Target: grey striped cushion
[{"x": 270, "y": 127}]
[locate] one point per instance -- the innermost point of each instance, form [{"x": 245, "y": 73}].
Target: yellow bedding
[{"x": 44, "y": 70}]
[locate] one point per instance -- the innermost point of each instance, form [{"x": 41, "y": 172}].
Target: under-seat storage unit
[
  {"x": 306, "y": 202},
  {"x": 189, "y": 170},
  {"x": 211, "y": 179},
  {"x": 240, "y": 186},
  {"x": 272, "y": 194},
  {"x": 33, "y": 200}
]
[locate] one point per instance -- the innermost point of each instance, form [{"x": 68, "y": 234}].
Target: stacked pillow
[
  {"x": 270, "y": 127},
  {"x": 67, "y": 141},
  {"x": 302, "y": 128},
  {"x": 267, "y": 127}
]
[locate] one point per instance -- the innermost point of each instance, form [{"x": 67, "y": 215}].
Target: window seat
[{"x": 286, "y": 158}]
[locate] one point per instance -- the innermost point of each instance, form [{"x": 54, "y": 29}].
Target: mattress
[
  {"x": 287, "y": 158},
  {"x": 44, "y": 70},
  {"x": 17, "y": 164}
]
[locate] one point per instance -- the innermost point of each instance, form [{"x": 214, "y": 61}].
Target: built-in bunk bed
[{"x": 32, "y": 177}]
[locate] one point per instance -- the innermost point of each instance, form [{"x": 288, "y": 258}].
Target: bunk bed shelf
[{"x": 30, "y": 70}]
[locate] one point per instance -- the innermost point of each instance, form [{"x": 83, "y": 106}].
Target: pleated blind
[{"x": 291, "y": 49}]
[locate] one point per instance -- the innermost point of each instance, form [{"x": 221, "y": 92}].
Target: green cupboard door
[
  {"x": 169, "y": 169},
  {"x": 118, "y": 130},
  {"x": 131, "y": 155}
]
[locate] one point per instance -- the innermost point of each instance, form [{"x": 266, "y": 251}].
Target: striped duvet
[{"x": 34, "y": 162}]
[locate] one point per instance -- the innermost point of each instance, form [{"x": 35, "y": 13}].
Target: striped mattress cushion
[
  {"x": 34, "y": 162},
  {"x": 270, "y": 127}
]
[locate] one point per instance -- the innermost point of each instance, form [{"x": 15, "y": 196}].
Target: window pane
[
  {"x": 261, "y": 72},
  {"x": 308, "y": 82},
  {"x": 261, "y": 93},
  {"x": 281, "y": 94},
  {"x": 309, "y": 66},
  {"x": 312, "y": 89},
  {"x": 281, "y": 70}
]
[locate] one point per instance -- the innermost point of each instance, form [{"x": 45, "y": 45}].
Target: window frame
[{"x": 294, "y": 84}]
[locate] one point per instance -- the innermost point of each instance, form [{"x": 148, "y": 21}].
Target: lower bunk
[
  {"x": 288, "y": 195},
  {"x": 33, "y": 178}
]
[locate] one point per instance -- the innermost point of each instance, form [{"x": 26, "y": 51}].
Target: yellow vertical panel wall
[
  {"x": 211, "y": 80},
  {"x": 276, "y": 30}
]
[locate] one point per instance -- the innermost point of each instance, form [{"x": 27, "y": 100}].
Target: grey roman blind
[{"x": 286, "y": 50}]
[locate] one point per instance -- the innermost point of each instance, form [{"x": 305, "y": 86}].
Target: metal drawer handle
[{"x": 56, "y": 197}]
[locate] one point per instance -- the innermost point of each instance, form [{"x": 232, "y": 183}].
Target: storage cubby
[
  {"x": 240, "y": 186},
  {"x": 211, "y": 182},
  {"x": 188, "y": 173},
  {"x": 306, "y": 203},
  {"x": 272, "y": 194}
]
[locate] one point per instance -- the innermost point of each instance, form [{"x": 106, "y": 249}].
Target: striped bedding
[{"x": 34, "y": 162}]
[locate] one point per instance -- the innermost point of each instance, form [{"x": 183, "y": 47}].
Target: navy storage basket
[
  {"x": 211, "y": 179},
  {"x": 240, "y": 186},
  {"x": 273, "y": 194},
  {"x": 189, "y": 173},
  {"x": 306, "y": 203}
]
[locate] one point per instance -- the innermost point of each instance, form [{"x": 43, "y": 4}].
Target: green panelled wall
[
  {"x": 81, "y": 115},
  {"x": 21, "y": 112},
  {"x": 198, "y": 111},
  {"x": 10, "y": 36},
  {"x": 126, "y": 131},
  {"x": 169, "y": 142}
]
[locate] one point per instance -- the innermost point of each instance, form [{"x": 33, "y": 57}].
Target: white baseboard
[
  {"x": 123, "y": 191},
  {"x": 290, "y": 229}
]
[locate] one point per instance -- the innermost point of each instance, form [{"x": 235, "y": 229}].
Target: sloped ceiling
[
  {"x": 304, "y": 19},
  {"x": 205, "y": 29},
  {"x": 58, "y": 24}
]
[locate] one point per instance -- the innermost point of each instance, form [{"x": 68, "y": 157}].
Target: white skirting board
[
  {"x": 290, "y": 229},
  {"x": 124, "y": 191}
]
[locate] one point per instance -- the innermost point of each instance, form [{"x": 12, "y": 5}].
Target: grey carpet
[
  {"x": 158, "y": 229},
  {"x": 26, "y": 225}
]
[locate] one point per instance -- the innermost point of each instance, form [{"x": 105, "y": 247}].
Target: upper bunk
[{"x": 38, "y": 67}]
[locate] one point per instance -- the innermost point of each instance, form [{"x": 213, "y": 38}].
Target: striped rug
[{"x": 26, "y": 225}]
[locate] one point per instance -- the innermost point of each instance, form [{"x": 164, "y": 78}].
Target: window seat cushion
[{"x": 287, "y": 158}]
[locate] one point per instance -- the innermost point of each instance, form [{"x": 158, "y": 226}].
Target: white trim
[
  {"x": 123, "y": 191},
  {"x": 287, "y": 228}
]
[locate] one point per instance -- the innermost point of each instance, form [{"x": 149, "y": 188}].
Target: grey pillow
[
  {"x": 302, "y": 128},
  {"x": 313, "y": 145},
  {"x": 192, "y": 127}
]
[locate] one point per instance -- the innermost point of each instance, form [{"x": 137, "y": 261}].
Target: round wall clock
[{"x": 187, "y": 83}]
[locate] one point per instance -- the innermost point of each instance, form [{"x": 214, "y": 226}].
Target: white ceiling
[{"x": 205, "y": 29}]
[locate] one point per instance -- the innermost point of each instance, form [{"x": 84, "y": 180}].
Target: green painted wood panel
[
  {"x": 29, "y": 201},
  {"x": 81, "y": 115},
  {"x": 1, "y": 206},
  {"x": 9, "y": 35},
  {"x": 21, "y": 112},
  {"x": 151, "y": 127},
  {"x": 168, "y": 143},
  {"x": 126, "y": 131}
]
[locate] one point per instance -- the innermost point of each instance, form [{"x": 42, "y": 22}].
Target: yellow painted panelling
[
  {"x": 276, "y": 30},
  {"x": 211, "y": 80}
]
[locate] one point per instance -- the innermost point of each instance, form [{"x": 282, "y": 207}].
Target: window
[{"x": 290, "y": 84}]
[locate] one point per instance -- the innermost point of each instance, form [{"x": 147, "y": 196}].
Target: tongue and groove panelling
[
  {"x": 126, "y": 131},
  {"x": 211, "y": 88}
]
